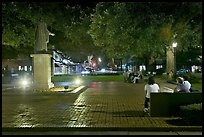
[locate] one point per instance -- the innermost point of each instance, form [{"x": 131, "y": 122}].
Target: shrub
[
  {"x": 195, "y": 77},
  {"x": 192, "y": 113}
]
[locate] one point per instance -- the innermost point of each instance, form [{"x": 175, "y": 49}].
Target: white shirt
[
  {"x": 187, "y": 85},
  {"x": 151, "y": 88}
]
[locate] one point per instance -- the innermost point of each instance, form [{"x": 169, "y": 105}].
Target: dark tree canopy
[
  {"x": 70, "y": 24},
  {"x": 146, "y": 28},
  {"x": 116, "y": 29}
]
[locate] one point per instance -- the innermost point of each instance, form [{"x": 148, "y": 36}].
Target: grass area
[
  {"x": 88, "y": 78},
  {"x": 194, "y": 78},
  {"x": 197, "y": 86}
]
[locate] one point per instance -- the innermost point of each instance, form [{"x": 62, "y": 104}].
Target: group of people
[
  {"x": 183, "y": 85},
  {"x": 131, "y": 77}
]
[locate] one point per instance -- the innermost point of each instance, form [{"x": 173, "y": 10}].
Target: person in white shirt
[
  {"x": 186, "y": 83},
  {"x": 125, "y": 75},
  {"x": 182, "y": 86},
  {"x": 136, "y": 78},
  {"x": 151, "y": 86}
]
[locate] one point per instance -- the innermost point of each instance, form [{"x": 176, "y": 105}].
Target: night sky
[{"x": 83, "y": 4}]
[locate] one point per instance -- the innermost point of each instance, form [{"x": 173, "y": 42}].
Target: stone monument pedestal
[{"x": 42, "y": 71}]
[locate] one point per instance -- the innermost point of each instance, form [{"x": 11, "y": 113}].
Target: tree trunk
[{"x": 170, "y": 64}]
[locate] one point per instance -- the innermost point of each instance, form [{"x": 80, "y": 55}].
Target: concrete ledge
[
  {"x": 77, "y": 89},
  {"x": 167, "y": 104}
]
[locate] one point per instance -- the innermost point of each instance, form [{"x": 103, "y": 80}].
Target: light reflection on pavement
[{"x": 103, "y": 104}]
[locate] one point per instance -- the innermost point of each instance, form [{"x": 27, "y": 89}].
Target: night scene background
[
  {"x": 132, "y": 32},
  {"x": 98, "y": 42}
]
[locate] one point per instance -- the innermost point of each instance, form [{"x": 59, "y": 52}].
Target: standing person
[
  {"x": 125, "y": 74},
  {"x": 151, "y": 86},
  {"x": 130, "y": 77}
]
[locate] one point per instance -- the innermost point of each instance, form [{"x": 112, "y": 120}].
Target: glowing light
[
  {"x": 85, "y": 72},
  {"x": 94, "y": 64},
  {"x": 65, "y": 61},
  {"x": 24, "y": 82},
  {"x": 103, "y": 70},
  {"x": 99, "y": 59},
  {"x": 77, "y": 81},
  {"x": 174, "y": 44}
]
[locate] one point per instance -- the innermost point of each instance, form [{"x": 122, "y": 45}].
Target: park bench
[{"x": 164, "y": 104}]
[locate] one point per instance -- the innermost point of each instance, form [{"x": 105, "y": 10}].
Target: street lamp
[
  {"x": 99, "y": 59},
  {"x": 99, "y": 62},
  {"x": 174, "y": 47}
]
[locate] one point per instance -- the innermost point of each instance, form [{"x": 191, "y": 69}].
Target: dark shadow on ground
[
  {"x": 128, "y": 114},
  {"x": 183, "y": 122},
  {"x": 124, "y": 113}
]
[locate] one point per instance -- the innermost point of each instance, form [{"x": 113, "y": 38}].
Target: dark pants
[{"x": 146, "y": 104}]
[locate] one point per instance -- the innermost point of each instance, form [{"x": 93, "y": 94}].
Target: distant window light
[
  {"x": 159, "y": 66},
  {"x": 25, "y": 68},
  {"x": 142, "y": 68},
  {"x": 20, "y": 68},
  {"x": 30, "y": 68}
]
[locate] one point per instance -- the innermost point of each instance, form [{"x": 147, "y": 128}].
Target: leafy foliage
[
  {"x": 70, "y": 23},
  {"x": 144, "y": 30},
  {"x": 118, "y": 29}
]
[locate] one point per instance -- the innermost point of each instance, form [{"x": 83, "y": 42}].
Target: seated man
[
  {"x": 181, "y": 87},
  {"x": 136, "y": 78},
  {"x": 186, "y": 83}
]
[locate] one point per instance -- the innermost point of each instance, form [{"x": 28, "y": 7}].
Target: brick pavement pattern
[{"x": 101, "y": 105}]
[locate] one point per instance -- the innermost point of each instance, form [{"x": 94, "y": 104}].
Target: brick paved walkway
[{"x": 102, "y": 106}]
